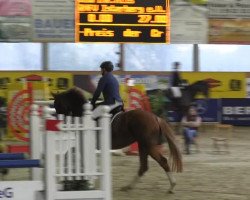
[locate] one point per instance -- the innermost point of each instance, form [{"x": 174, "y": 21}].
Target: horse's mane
[
  {"x": 75, "y": 93},
  {"x": 200, "y": 84}
]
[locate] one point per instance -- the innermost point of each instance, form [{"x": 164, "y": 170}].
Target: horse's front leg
[{"x": 143, "y": 168}]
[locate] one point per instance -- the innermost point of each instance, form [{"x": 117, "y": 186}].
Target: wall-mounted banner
[
  {"x": 123, "y": 21},
  {"x": 53, "y": 20},
  {"x": 189, "y": 23},
  {"x": 229, "y": 31},
  {"x": 248, "y": 87},
  {"x": 235, "y": 112},
  {"x": 59, "y": 81},
  {"x": 151, "y": 82},
  {"x": 15, "y": 8},
  {"x": 229, "y": 21},
  {"x": 207, "y": 109},
  {"x": 199, "y": 2},
  {"x": 17, "y": 189},
  {"x": 15, "y": 20},
  {"x": 222, "y": 85},
  {"x": 229, "y": 9}
]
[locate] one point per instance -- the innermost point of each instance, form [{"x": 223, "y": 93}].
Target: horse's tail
[{"x": 175, "y": 154}]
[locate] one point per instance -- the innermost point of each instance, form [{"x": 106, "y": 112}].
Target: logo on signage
[
  {"x": 6, "y": 193},
  {"x": 201, "y": 107},
  {"x": 235, "y": 85},
  {"x": 236, "y": 110}
]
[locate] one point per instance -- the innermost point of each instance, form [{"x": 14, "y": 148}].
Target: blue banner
[
  {"x": 235, "y": 112},
  {"x": 207, "y": 109}
]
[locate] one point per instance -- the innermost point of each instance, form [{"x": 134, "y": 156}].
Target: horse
[
  {"x": 188, "y": 95},
  {"x": 128, "y": 127},
  {"x": 182, "y": 104}
]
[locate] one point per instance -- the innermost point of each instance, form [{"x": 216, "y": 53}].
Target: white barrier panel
[
  {"x": 68, "y": 150},
  {"x": 79, "y": 163}
]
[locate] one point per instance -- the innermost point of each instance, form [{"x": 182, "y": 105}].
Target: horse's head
[
  {"x": 199, "y": 87},
  {"x": 59, "y": 104},
  {"x": 69, "y": 102}
]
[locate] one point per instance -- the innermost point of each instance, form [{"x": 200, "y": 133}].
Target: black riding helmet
[
  {"x": 176, "y": 65},
  {"x": 107, "y": 65}
]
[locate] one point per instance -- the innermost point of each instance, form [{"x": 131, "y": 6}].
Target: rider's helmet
[
  {"x": 176, "y": 65},
  {"x": 108, "y": 66}
]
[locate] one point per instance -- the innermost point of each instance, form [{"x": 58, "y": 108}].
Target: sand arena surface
[{"x": 207, "y": 175}]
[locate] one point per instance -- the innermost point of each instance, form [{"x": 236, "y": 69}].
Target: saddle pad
[{"x": 176, "y": 92}]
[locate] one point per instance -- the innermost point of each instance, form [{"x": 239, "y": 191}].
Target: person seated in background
[{"x": 191, "y": 122}]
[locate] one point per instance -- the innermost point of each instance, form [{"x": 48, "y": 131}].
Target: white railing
[{"x": 70, "y": 153}]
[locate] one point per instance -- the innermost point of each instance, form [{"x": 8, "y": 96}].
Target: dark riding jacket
[
  {"x": 176, "y": 79},
  {"x": 109, "y": 87}
]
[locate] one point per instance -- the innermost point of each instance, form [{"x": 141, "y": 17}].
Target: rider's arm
[{"x": 99, "y": 89}]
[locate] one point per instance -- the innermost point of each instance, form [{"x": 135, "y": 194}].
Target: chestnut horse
[{"x": 128, "y": 127}]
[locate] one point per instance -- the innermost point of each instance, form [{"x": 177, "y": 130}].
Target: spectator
[{"x": 191, "y": 122}]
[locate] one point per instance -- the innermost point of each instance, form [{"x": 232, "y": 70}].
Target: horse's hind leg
[
  {"x": 163, "y": 162},
  {"x": 143, "y": 168}
]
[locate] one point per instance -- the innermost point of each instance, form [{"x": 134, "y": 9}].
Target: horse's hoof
[
  {"x": 171, "y": 189},
  {"x": 171, "y": 192},
  {"x": 126, "y": 188},
  {"x": 118, "y": 153},
  {"x": 173, "y": 185}
]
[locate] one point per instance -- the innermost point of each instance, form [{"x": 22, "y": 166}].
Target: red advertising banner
[{"x": 15, "y": 8}]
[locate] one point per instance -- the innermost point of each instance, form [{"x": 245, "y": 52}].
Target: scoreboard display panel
[{"x": 122, "y": 21}]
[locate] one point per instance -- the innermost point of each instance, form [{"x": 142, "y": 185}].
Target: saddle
[
  {"x": 115, "y": 112},
  {"x": 115, "y": 109}
]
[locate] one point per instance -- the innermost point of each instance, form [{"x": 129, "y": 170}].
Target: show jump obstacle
[{"x": 63, "y": 151}]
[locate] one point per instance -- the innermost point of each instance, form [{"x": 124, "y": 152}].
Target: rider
[
  {"x": 176, "y": 77},
  {"x": 176, "y": 81},
  {"x": 108, "y": 86}
]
